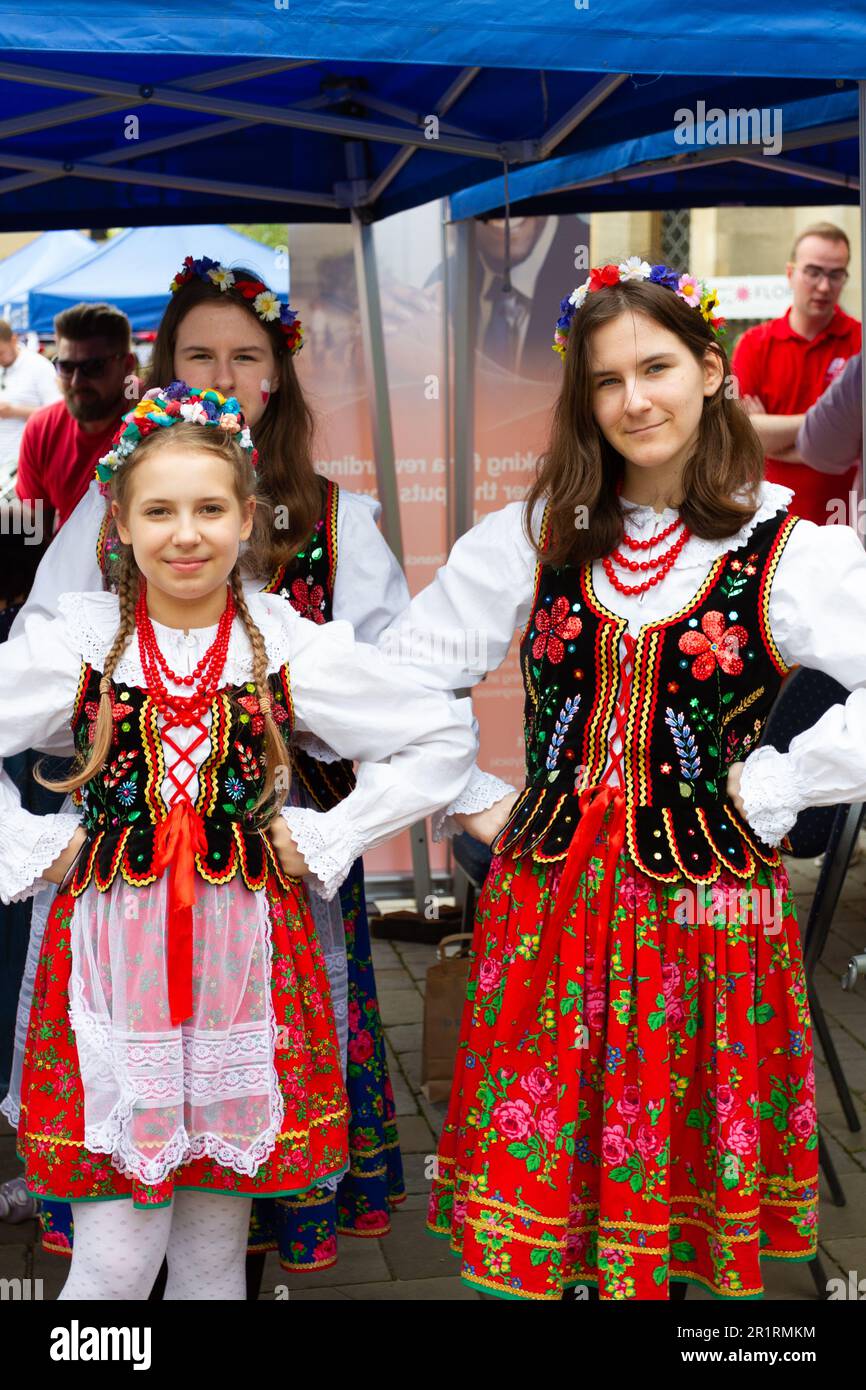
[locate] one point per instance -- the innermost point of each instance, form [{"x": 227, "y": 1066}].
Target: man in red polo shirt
[
  {"x": 62, "y": 444},
  {"x": 783, "y": 366}
]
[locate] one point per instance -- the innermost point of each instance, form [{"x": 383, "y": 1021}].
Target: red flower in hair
[
  {"x": 717, "y": 644},
  {"x": 603, "y": 275},
  {"x": 554, "y": 629}
]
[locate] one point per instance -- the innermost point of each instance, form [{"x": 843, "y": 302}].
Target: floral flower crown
[
  {"x": 172, "y": 405},
  {"x": 266, "y": 304},
  {"x": 686, "y": 287}
]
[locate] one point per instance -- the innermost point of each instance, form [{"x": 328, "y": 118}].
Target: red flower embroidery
[
  {"x": 554, "y": 629},
  {"x": 91, "y": 709},
  {"x": 716, "y": 643},
  {"x": 252, "y": 707},
  {"x": 307, "y": 599}
]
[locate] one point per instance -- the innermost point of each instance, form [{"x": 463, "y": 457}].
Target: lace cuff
[
  {"x": 328, "y": 844},
  {"x": 482, "y": 790},
  {"x": 23, "y": 859},
  {"x": 772, "y": 794}
]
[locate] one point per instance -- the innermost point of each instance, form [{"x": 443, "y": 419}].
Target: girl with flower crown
[
  {"x": 633, "y": 1104},
  {"x": 323, "y": 553},
  {"x": 182, "y": 1053}
]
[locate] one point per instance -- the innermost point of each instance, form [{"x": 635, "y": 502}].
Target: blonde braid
[
  {"x": 103, "y": 732},
  {"x": 275, "y": 751}
]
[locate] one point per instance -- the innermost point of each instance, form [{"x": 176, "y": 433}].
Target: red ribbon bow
[
  {"x": 593, "y": 803},
  {"x": 176, "y": 842}
]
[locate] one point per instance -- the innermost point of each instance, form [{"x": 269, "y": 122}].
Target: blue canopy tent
[
  {"x": 134, "y": 270},
  {"x": 182, "y": 112},
  {"x": 46, "y": 255}
]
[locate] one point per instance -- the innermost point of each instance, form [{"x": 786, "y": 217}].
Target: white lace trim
[
  {"x": 22, "y": 871},
  {"x": 112, "y": 1135},
  {"x": 315, "y": 748},
  {"x": 481, "y": 791},
  {"x": 328, "y": 859},
  {"x": 92, "y": 620},
  {"x": 772, "y": 498},
  {"x": 772, "y": 794}
]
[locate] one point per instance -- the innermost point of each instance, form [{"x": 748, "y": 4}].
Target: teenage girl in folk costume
[
  {"x": 633, "y": 1100},
  {"x": 225, "y": 328},
  {"x": 182, "y": 1049}
]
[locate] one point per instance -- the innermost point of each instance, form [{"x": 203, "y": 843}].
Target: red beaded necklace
[
  {"x": 663, "y": 564},
  {"x": 182, "y": 709}
]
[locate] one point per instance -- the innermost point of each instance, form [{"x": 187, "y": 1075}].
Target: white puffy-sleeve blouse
[
  {"x": 461, "y": 626},
  {"x": 415, "y": 746}
]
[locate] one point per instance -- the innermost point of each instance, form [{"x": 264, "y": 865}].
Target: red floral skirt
[
  {"x": 312, "y": 1144},
  {"x": 656, "y": 1120}
]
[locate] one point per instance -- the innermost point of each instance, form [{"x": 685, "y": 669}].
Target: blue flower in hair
[{"x": 661, "y": 275}]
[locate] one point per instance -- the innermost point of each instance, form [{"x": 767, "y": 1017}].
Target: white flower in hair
[
  {"x": 221, "y": 277},
  {"x": 246, "y": 439},
  {"x": 267, "y": 305},
  {"x": 194, "y": 411},
  {"x": 634, "y": 269},
  {"x": 579, "y": 295}
]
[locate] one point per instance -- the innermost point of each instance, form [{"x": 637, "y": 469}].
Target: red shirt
[
  {"x": 57, "y": 459},
  {"x": 789, "y": 373}
]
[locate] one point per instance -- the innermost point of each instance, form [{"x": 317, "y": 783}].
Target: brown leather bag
[{"x": 444, "y": 997}]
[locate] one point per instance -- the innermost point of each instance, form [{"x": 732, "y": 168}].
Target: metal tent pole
[
  {"x": 862, "y": 137},
  {"x": 465, "y": 325},
  {"x": 370, "y": 310}
]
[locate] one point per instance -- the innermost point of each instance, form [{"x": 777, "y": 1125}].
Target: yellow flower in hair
[{"x": 709, "y": 302}]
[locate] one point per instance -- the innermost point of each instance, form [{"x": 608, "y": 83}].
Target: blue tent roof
[
  {"x": 738, "y": 37},
  {"x": 135, "y": 268},
  {"x": 187, "y": 112},
  {"x": 46, "y": 255},
  {"x": 819, "y": 163}
]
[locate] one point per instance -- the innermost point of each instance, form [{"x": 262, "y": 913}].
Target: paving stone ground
[{"x": 409, "y": 1264}]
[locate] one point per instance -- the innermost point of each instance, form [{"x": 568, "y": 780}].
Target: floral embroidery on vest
[
  {"x": 307, "y": 582},
  {"x": 124, "y": 803},
  {"x": 704, "y": 681}
]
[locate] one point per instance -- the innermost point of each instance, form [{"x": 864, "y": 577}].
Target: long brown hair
[
  {"x": 218, "y": 443},
  {"x": 580, "y": 469},
  {"x": 283, "y": 435}
]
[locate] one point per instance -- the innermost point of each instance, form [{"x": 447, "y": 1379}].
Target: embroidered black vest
[
  {"x": 703, "y": 684},
  {"x": 307, "y": 582},
  {"x": 124, "y": 803}
]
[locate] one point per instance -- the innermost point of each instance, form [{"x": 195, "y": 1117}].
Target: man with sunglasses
[
  {"x": 60, "y": 445},
  {"x": 783, "y": 366}
]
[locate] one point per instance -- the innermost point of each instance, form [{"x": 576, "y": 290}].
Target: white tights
[{"x": 118, "y": 1249}]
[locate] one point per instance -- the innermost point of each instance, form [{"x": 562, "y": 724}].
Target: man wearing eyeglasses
[
  {"x": 60, "y": 445},
  {"x": 783, "y": 366}
]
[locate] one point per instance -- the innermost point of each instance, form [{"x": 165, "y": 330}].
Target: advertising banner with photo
[{"x": 516, "y": 380}]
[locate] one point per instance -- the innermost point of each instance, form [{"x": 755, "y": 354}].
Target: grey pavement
[{"x": 410, "y": 1264}]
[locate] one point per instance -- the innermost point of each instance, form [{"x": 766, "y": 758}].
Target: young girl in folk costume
[
  {"x": 633, "y": 1101},
  {"x": 182, "y": 1050},
  {"x": 327, "y": 558}
]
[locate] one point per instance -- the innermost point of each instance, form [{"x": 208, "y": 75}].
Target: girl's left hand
[
  {"x": 735, "y": 776},
  {"x": 292, "y": 862}
]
